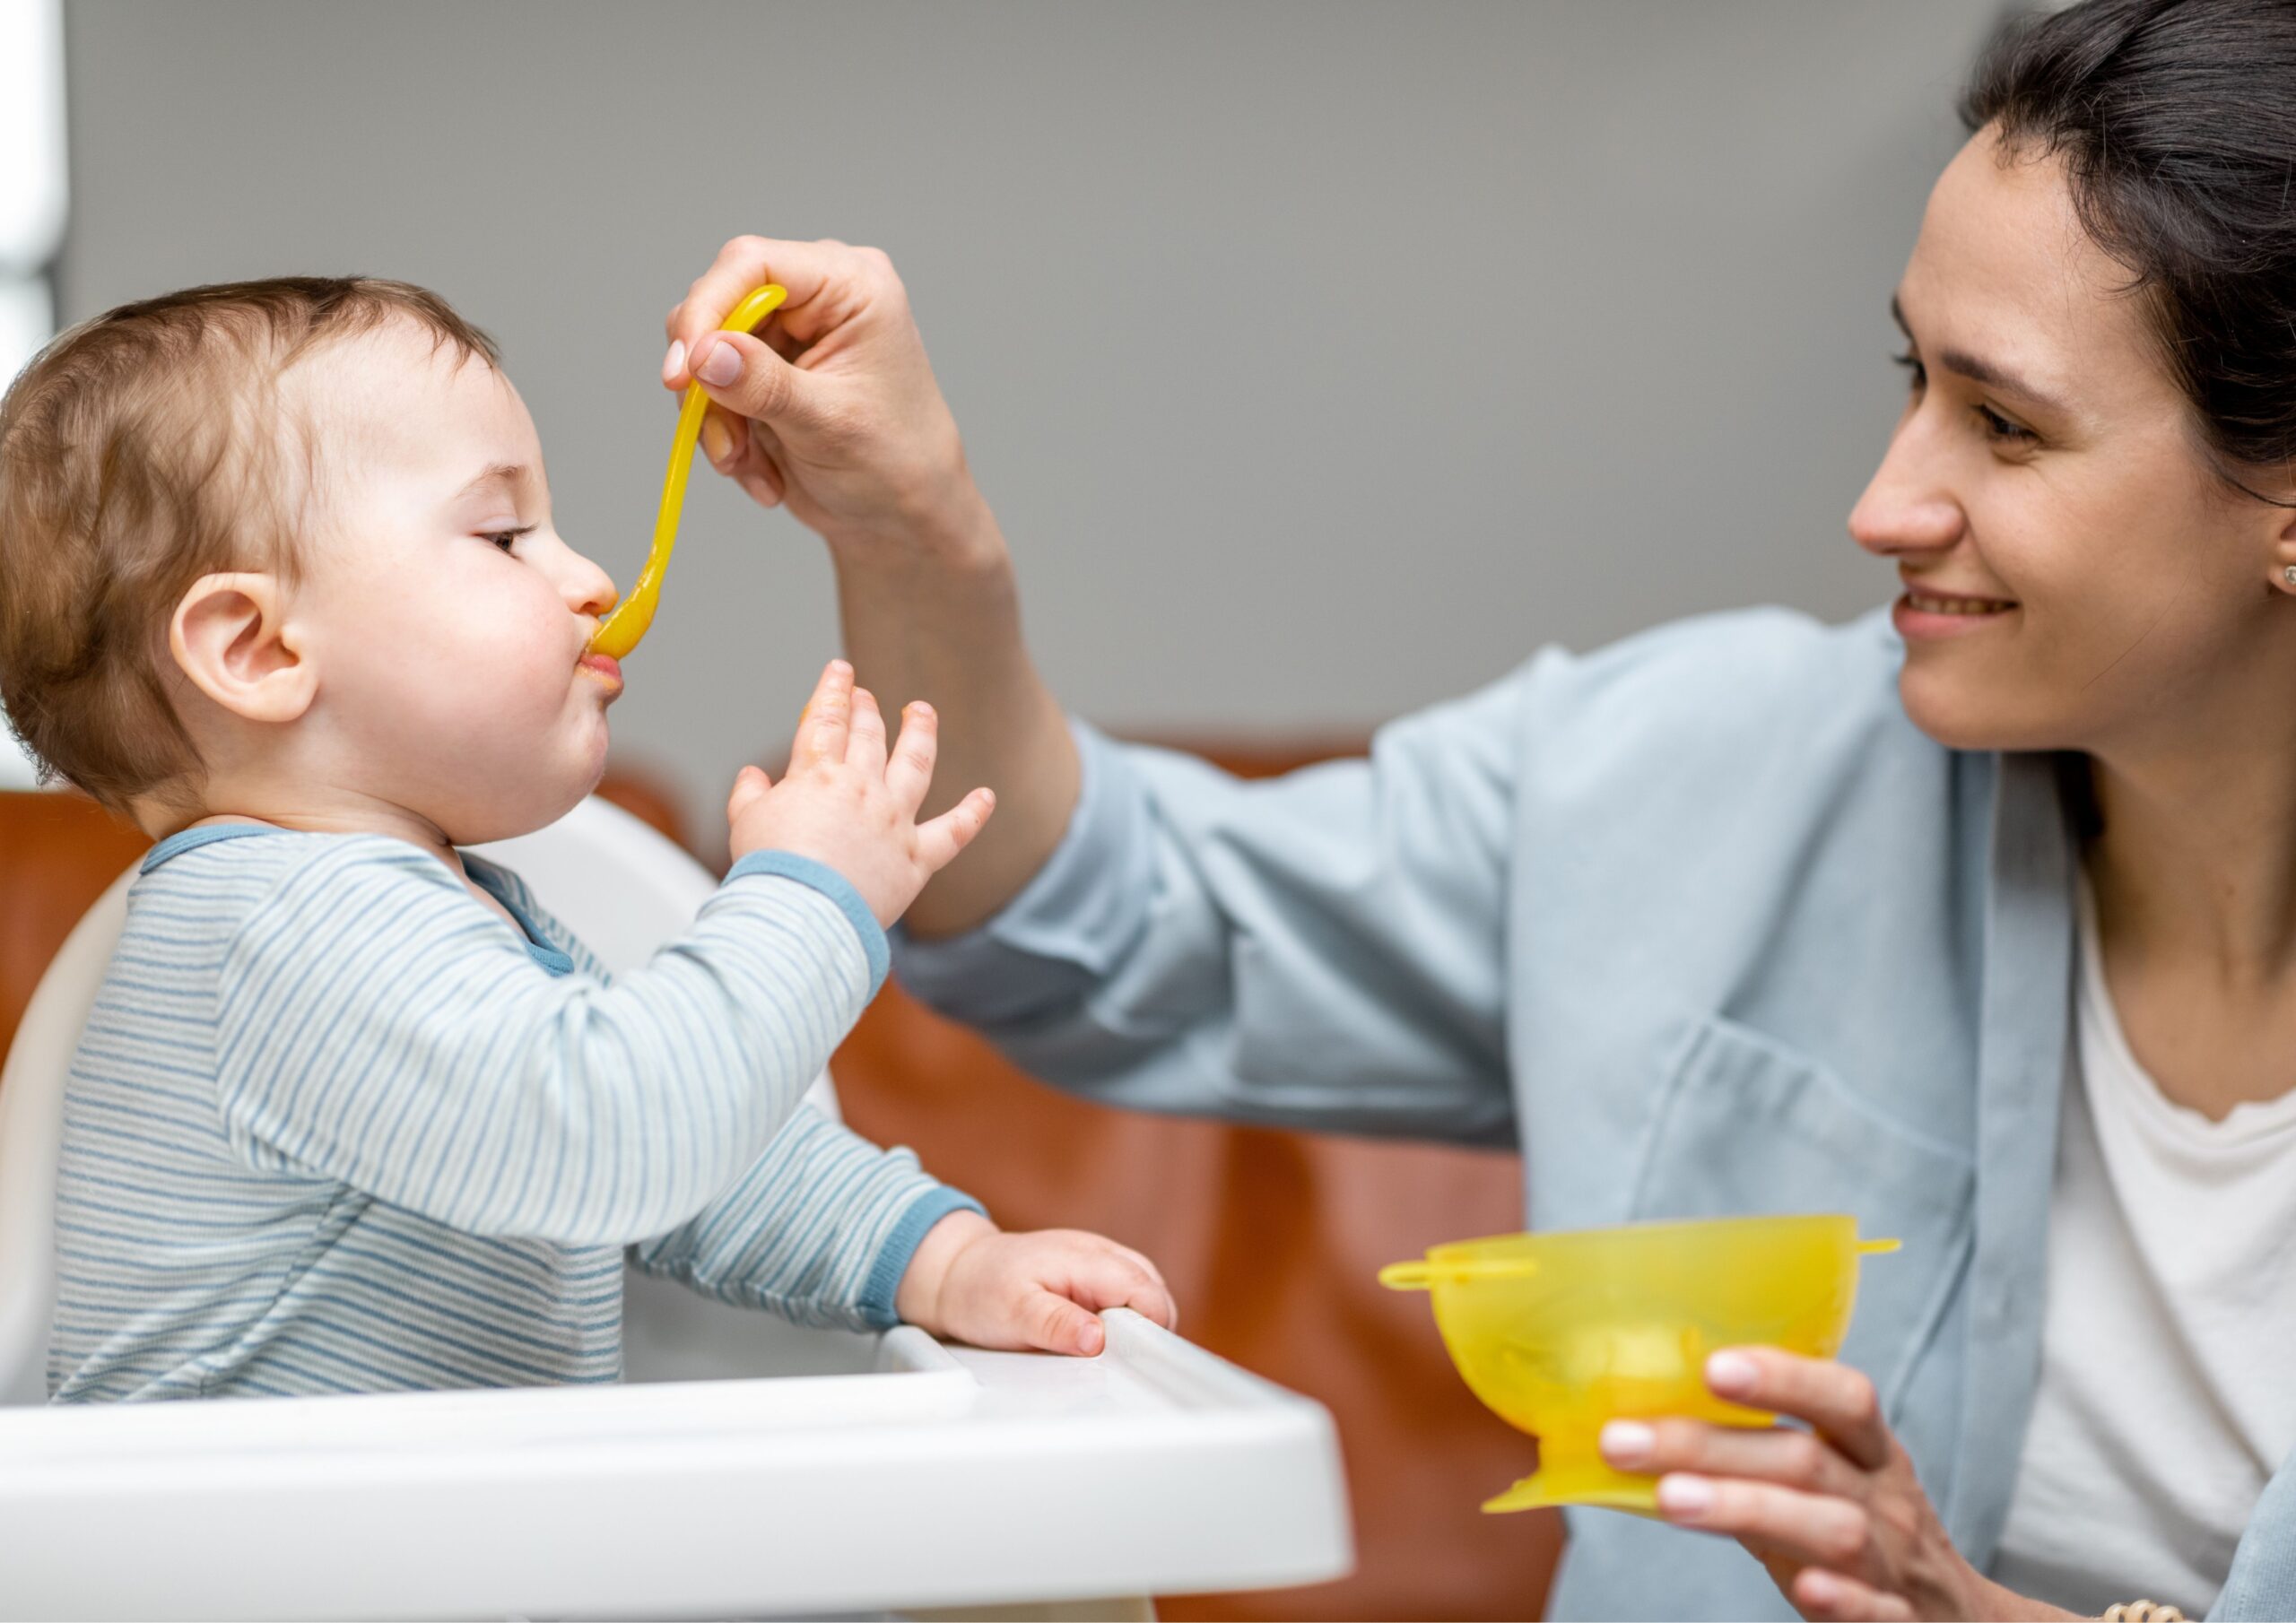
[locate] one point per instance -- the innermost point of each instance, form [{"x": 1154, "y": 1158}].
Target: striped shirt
[{"x": 336, "y": 1125}]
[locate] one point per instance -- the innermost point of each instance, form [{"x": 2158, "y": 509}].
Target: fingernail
[
  {"x": 1731, "y": 1373},
  {"x": 721, "y": 366},
  {"x": 840, "y": 667},
  {"x": 1682, "y": 1496},
  {"x": 673, "y": 362},
  {"x": 715, "y": 439},
  {"x": 1628, "y": 1442}
]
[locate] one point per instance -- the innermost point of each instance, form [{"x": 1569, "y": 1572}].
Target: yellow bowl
[{"x": 1560, "y": 1332}]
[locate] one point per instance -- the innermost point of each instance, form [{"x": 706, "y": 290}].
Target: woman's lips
[
  {"x": 605, "y": 667},
  {"x": 1930, "y": 614}
]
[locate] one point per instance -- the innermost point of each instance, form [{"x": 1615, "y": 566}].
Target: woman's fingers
[
  {"x": 1840, "y": 1401},
  {"x": 747, "y": 376},
  {"x": 742, "y": 266},
  {"x": 827, "y": 722},
  {"x": 829, "y": 282},
  {"x": 1813, "y": 1530},
  {"x": 1790, "y": 1458},
  {"x": 864, "y": 745},
  {"x": 1818, "y": 1594}
]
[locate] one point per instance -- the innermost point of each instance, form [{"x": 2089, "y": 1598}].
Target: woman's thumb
[{"x": 744, "y": 375}]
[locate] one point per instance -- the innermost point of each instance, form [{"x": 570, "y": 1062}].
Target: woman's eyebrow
[{"x": 1977, "y": 369}]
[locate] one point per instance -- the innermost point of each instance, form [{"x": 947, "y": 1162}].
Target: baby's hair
[{"x": 139, "y": 452}]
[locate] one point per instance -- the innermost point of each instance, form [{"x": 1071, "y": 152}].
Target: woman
[{"x": 1977, "y": 918}]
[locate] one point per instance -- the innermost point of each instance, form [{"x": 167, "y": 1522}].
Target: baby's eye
[{"x": 505, "y": 538}]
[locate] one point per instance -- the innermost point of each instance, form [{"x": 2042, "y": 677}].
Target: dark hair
[{"x": 2176, "y": 123}]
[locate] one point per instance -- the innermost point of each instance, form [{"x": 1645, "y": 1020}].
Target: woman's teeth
[{"x": 1957, "y": 605}]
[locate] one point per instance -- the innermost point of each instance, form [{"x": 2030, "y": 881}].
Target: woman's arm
[{"x": 834, "y": 410}]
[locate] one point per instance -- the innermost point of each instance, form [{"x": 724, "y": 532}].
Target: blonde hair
[{"x": 139, "y": 452}]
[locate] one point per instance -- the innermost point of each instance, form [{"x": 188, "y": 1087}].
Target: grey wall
[{"x": 1321, "y": 359}]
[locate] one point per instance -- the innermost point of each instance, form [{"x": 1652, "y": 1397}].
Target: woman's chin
[{"x": 1963, "y": 713}]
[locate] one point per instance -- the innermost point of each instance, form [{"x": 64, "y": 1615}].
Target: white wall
[
  {"x": 31, "y": 215},
  {"x": 1321, "y": 359}
]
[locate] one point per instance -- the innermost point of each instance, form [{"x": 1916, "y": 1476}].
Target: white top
[{"x": 2166, "y": 1395}]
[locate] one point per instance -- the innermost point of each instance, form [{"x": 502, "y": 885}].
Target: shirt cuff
[
  {"x": 885, "y": 1274},
  {"x": 829, "y": 883},
  {"x": 1069, "y": 926}
]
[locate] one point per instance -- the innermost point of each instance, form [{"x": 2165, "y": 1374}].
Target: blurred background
[{"x": 1322, "y": 359}]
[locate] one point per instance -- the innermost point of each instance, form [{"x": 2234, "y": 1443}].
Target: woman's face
[{"x": 2076, "y": 574}]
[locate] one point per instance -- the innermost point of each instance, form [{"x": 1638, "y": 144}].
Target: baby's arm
[
  {"x": 820, "y": 1230},
  {"x": 827, "y": 1228},
  {"x": 377, "y": 1029}
]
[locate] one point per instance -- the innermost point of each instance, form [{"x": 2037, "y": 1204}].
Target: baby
[{"x": 279, "y": 580}]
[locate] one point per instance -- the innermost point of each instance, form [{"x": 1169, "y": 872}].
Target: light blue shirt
[
  {"x": 1703, "y": 923},
  {"x": 334, "y": 1126}
]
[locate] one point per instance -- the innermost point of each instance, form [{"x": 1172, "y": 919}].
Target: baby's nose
[{"x": 590, "y": 590}]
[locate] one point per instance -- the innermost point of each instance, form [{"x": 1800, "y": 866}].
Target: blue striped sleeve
[
  {"x": 820, "y": 1230},
  {"x": 378, "y": 1027}
]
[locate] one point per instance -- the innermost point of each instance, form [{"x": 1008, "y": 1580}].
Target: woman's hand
[
  {"x": 833, "y": 410},
  {"x": 831, "y": 407},
  {"x": 1835, "y": 1513}
]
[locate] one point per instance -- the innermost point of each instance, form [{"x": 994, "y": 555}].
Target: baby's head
[{"x": 284, "y": 549}]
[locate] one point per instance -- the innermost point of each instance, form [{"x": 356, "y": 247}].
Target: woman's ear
[
  {"x": 2283, "y": 550},
  {"x": 230, "y": 636}
]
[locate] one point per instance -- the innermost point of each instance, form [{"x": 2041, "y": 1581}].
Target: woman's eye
[
  {"x": 1916, "y": 374},
  {"x": 1999, "y": 428}
]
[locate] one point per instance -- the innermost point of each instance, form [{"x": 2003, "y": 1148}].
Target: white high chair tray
[{"x": 948, "y": 1478}]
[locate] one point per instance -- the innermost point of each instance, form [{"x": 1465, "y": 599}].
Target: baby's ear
[{"x": 230, "y": 636}]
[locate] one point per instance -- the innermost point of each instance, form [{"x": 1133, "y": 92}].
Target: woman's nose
[{"x": 1907, "y": 507}]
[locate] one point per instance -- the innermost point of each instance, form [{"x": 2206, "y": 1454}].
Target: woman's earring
[{"x": 2288, "y": 574}]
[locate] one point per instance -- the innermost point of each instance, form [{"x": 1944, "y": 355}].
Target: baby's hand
[
  {"x": 844, "y": 804},
  {"x": 972, "y": 1283}
]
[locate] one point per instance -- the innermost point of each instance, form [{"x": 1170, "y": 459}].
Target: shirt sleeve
[
  {"x": 1327, "y": 950},
  {"x": 378, "y": 1026},
  {"x": 820, "y": 1230}
]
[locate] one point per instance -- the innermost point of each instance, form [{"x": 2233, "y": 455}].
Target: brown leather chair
[{"x": 1270, "y": 1239}]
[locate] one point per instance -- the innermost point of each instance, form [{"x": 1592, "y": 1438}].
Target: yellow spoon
[{"x": 622, "y": 629}]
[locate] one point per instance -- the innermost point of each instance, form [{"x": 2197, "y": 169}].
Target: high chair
[{"x": 820, "y": 1484}]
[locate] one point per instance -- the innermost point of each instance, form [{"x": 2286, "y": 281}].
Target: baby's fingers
[
  {"x": 866, "y": 747},
  {"x": 749, "y": 784},
  {"x": 822, "y": 729},
  {"x": 1114, "y": 1277},
  {"x": 1051, "y": 1322},
  {"x": 909, "y": 774},
  {"x": 939, "y": 841}
]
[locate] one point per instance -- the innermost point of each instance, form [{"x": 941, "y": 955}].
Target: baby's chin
[{"x": 535, "y": 803}]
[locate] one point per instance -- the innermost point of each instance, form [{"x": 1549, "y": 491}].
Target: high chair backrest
[
  {"x": 618, "y": 885},
  {"x": 31, "y": 1126}
]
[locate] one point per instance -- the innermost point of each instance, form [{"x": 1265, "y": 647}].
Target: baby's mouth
[{"x": 605, "y": 667}]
